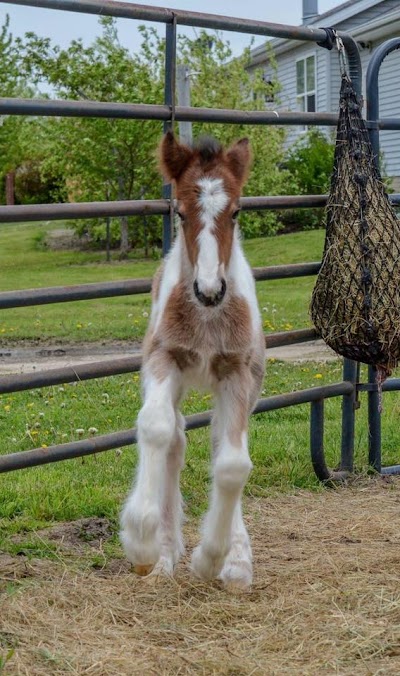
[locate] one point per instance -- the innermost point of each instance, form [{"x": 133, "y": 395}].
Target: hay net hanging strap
[{"x": 355, "y": 304}]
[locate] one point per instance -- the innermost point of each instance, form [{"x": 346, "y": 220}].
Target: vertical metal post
[
  {"x": 374, "y": 423},
  {"x": 350, "y": 368},
  {"x": 183, "y": 95},
  {"x": 169, "y": 99},
  {"x": 348, "y": 417},
  {"x": 317, "y": 440},
  {"x": 108, "y": 247},
  {"x": 108, "y": 233},
  {"x": 372, "y": 114}
]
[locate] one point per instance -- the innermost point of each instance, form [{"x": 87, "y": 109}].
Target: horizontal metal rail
[
  {"x": 69, "y": 374},
  {"x": 143, "y": 111},
  {"x": 185, "y": 18},
  {"x": 63, "y": 294},
  {"x": 389, "y": 123},
  {"x": 128, "y": 287},
  {"x": 286, "y": 271},
  {"x": 76, "y": 449},
  {"x": 163, "y": 113},
  {"x": 128, "y": 10},
  {"x": 103, "y": 369},
  {"x": 54, "y": 212}
]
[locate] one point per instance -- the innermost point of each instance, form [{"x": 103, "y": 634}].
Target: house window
[{"x": 305, "y": 82}]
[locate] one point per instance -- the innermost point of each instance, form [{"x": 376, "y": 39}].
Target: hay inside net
[{"x": 356, "y": 300}]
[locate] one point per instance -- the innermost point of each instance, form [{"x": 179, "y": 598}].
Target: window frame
[{"x": 303, "y": 97}]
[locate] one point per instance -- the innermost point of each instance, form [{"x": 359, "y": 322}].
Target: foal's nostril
[{"x": 213, "y": 299}]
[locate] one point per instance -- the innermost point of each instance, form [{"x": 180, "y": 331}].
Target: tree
[
  {"x": 100, "y": 158},
  {"x": 11, "y": 85},
  {"x": 115, "y": 159}
]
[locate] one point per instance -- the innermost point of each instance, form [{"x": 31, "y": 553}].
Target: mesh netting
[{"x": 356, "y": 300}]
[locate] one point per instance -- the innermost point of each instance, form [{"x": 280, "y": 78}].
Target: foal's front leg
[
  {"x": 223, "y": 527},
  {"x": 151, "y": 516}
]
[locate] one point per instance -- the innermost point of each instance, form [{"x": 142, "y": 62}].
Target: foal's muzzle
[{"x": 212, "y": 300}]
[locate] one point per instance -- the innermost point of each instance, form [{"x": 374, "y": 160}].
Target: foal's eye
[{"x": 235, "y": 214}]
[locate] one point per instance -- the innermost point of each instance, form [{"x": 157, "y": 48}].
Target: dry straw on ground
[{"x": 326, "y": 600}]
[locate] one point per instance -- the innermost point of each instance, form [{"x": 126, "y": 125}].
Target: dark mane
[{"x": 207, "y": 147}]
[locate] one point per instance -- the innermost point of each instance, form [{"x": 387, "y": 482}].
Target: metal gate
[{"x": 168, "y": 113}]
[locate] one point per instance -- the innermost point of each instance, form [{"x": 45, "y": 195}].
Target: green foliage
[
  {"x": 310, "y": 161},
  {"x": 32, "y": 187},
  {"x": 101, "y": 158},
  {"x": 115, "y": 159},
  {"x": 220, "y": 81},
  {"x": 12, "y": 84}
]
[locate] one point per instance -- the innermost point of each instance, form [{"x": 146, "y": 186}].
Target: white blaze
[{"x": 212, "y": 201}]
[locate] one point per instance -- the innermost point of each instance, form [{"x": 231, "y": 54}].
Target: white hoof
[
  {"x": 140, "y": 539},
  {"x": 237, "y": 573},
  {"x": 207, "y": 564}
]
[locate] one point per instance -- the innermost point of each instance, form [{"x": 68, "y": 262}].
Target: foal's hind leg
[
  {"x": 142, "y": 516},
  {"x": 223, "y": 525}
]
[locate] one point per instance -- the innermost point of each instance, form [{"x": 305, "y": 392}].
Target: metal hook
[{"x": 341, "y": 52}]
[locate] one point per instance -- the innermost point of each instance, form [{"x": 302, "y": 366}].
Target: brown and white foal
[{"x": 205, "y": 331}]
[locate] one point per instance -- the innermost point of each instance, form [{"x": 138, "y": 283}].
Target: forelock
[{"x": 208, "y": 149}]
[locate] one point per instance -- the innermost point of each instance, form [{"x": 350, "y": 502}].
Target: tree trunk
[
  {"x": 10, "y": 181},
  {"x": 124, "y": 246}
]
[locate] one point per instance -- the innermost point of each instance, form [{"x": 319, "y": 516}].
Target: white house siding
[
  {"x": 389, "y": 81},
  {"x": 328, "y": 79},
  {"x": 389, "y": 106},
  {"x": 367, "y": 16},
  {"x": 286, "y": 75},
  {"x": 389, "y": 98}
]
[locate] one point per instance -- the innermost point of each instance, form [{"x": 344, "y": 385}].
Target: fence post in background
[
  {"x": 372, "y": 113},
  {"x": 350, "y": 368},
  {"x": 169, "y": 99},
  {"x": 183, "y": 96},
  {"x": 10, "y": 188}
]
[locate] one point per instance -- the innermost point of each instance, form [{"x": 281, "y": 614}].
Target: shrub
[{"x": 310, "y": 161}]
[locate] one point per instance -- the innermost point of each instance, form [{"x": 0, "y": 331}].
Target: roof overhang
[{"x": 384, "y": 26}]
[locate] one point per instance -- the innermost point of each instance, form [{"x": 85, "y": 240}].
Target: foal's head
[{"x": 208, "y": 182}]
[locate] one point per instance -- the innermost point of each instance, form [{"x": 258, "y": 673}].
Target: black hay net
[{"x": 356, "y": 300}]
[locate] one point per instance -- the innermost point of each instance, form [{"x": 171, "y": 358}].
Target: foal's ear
[
  {"x": 174, "y": 156},
  {"x": 239, "y": 159}
]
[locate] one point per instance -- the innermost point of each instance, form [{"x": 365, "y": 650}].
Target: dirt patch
[
  {"x": 77, "y": 535},
  {"x": 63, "y": 238},
  {"x": 325, "y": 600},
  {"x": 30, "y": 357}
]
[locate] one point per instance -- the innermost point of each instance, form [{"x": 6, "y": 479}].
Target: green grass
[
  {"x": 96, "y": 485},
  {"x": 24, "y": 264}
]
